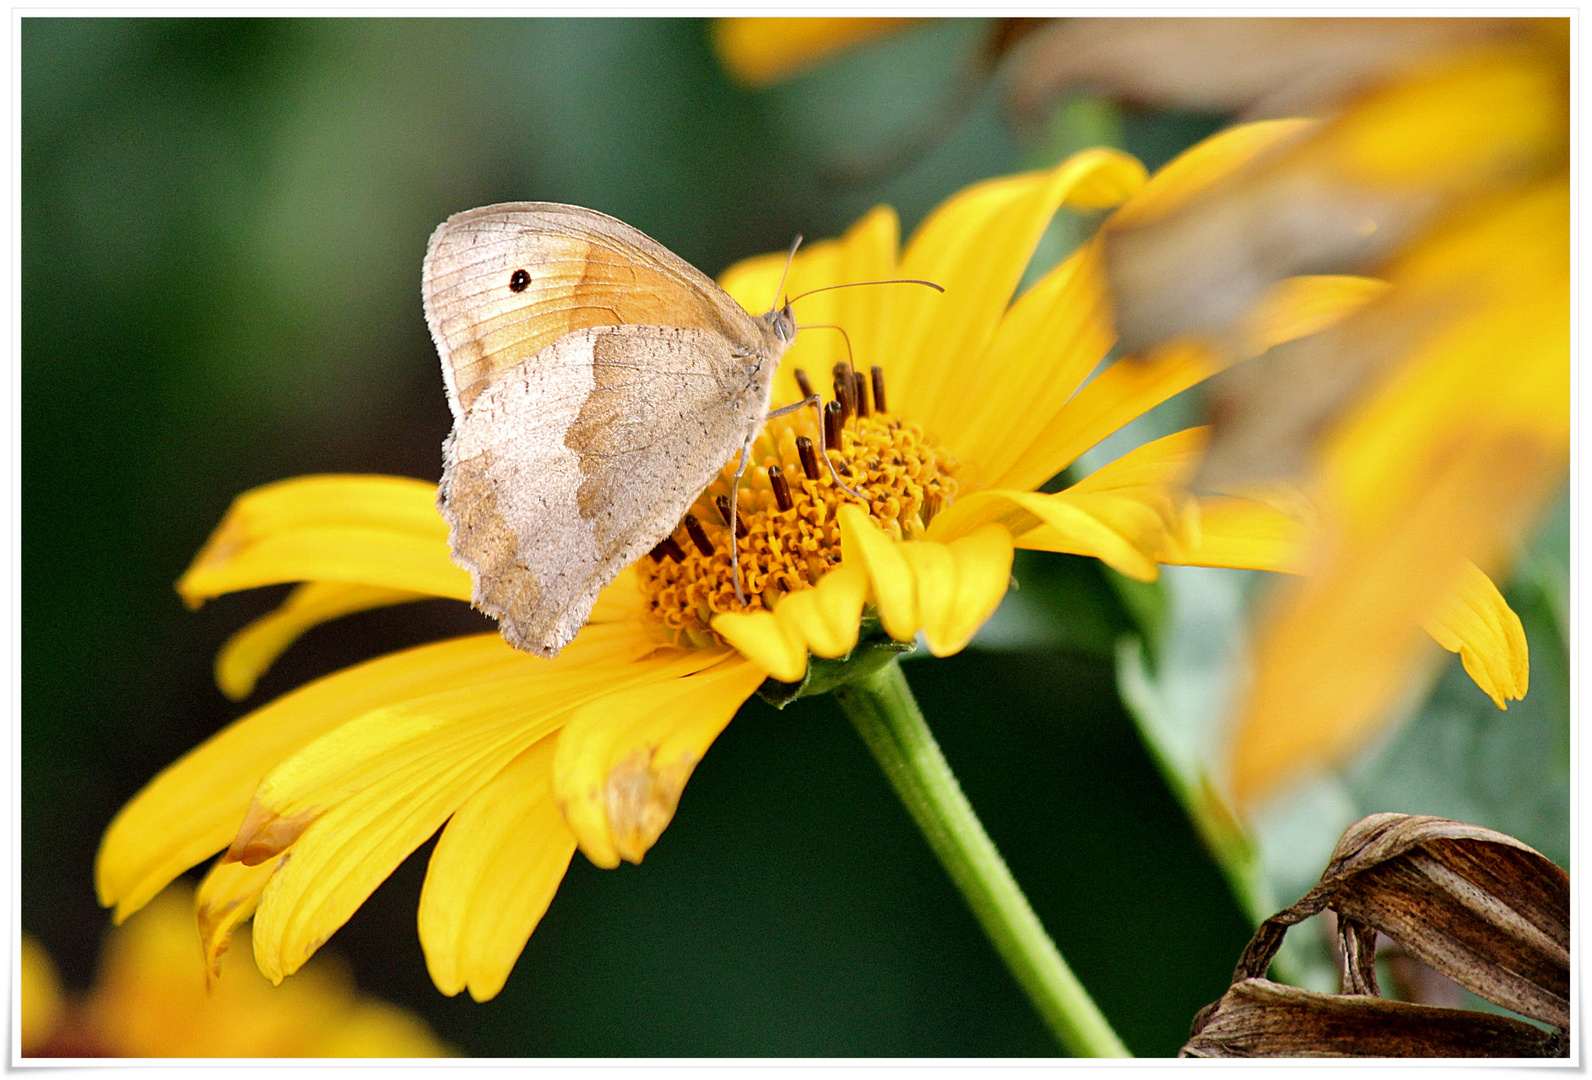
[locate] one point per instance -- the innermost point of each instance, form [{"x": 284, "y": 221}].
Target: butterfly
[{"x": 598, "y": 382}]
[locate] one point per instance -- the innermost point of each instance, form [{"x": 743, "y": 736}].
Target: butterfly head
[{"x": 779, "y": 329}]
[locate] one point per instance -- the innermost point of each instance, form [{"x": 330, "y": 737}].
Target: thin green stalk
[{"x": 886, "y": 714}]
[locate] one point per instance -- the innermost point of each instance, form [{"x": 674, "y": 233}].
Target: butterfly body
[{"x": 598, "y": 383}]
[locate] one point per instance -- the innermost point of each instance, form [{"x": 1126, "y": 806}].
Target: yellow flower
[
  {"x": 1426, "y": 430},
  {"x": 151, "y": 1000},
  {"x": 760, "y": 51},
  {"x": 979, "y": 400}
]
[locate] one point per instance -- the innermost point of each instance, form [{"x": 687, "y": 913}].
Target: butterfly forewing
[{"x": 598, "y": 382}]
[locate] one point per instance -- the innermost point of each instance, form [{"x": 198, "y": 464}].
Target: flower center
[{"x": 788, "y": 535}]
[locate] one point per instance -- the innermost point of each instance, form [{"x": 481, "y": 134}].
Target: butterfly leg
[
  {"x": 735, "y": 491},
  {"x": 823, "y": 449}
]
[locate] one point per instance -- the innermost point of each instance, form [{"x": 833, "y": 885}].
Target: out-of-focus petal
[
  {"x": 372, "y": 530},
  {"x": 492, "y": 876},
  {"x": 624, "y": 758},
  {"x": 251, "y": 651},
  {"x": 763, "y": 50},
  {"x": 41, "y": 1003}
]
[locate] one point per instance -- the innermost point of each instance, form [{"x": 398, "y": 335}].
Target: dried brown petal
[
  {"x": 1479, "y": 906},
  {"x": 1259, "y": 1018}
]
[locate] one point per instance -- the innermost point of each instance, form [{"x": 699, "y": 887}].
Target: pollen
[{"x": 787, "y": 507}]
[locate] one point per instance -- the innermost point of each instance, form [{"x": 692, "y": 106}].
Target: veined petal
[
  {"x": 894, "y": 591},
  {"x": 226, "y": 898},
  {"x": 934, "y": 578},
  {"x": 192, "y": 809},
  {"x": 624, "y": 758},
  {"x": 372, "y": 530},
  {"x": 977, "y": 245},
  {"x": 1052, "y": 338},
  {"x": 1240, "y": 533},
  {"x": 492, "y": 876},
  {"x": 1479, "y": 625},
  {"x": 1051, "y": 523},
  {"x": 251, "y": 651},
  {"x": 402, "y": 771}
]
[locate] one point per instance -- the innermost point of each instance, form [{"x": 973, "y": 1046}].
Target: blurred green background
[{"x": 222, "y": 228}]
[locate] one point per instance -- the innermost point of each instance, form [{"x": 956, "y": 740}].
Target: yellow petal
[
  {"x": 828, "y": 617},
  {"x": 371, "y": 530},
  {"x": 768, "y": 643},
  {"x": 226, "y": 898},
  {"x": 760, "y": 51},
  {"x": 1297, "y": 306},
  {"x": 623, "y": 759},
  {"x": 492, "y": 876},
  {"x": 977, "y": 245},
  {"x": 1475, "y": 622},
  {"x": 894, "y": 592},
  {"x": 353, "y": 804},
  {"x": 934, "y": 578},
  {"x": 1203, "y": 165},
  {"x": 192, "y": 809},
  {"x": 1048, "y": 343},
  {"x": 984, "y": 573},
  {"x": 1052, "y": 523},
  {"x": 251, "y": 651},
  {"x": 1240, "y": 533},
  {"x": 40, "y": 1002}
]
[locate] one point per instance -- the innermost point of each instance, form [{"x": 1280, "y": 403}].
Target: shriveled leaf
[
  {"x": 1481, "y": 907},
  {"x": 1259, "y": 1018}
]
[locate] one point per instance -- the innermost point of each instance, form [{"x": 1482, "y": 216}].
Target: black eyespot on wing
[{"x": 519, "y": 280}]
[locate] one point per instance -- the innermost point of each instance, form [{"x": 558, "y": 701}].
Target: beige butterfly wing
[{"x": 598, "y": 382}]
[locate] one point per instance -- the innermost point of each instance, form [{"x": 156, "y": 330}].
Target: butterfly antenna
[
  {"x": 889, "y": 281},
  {"x": 788, "y": 260}
]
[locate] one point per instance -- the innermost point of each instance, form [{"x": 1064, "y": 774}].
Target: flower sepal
[{"x": 874, "y": 649}]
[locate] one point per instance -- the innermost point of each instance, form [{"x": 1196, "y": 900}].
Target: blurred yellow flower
[
  {"x": 974, "y": 402},
  {"x": 151, "y": 1000},
  {"x": 759, "y": 51},
  {"x": 1427, "y": 429}
]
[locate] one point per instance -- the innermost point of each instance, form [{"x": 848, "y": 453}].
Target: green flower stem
[{"x": 886, "y": 714}]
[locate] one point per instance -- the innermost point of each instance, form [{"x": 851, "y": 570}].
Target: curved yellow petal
[
  {"x": 765, "y": 641},
  {"x": 1056, "y": 523},
  {"x": 1055, "y": 334},
  {"x": 826, "y": 618},
  {"x": 492, "y": 876},
  {"x": 977, "y": 245},
  {"x": 760, "y": 51},
  {"x": 354, "y": 803},
  {"x": 1475, "y": 622},
  {"x": 251, "y": 651},
  {"x": 371, "y": 530},
  {"x": 892, "y": 585},
  {"x": 1297, "y": 306},
  {"x": 623, "y": 759},
  {"x": 934, "y": 579},
  {"x": 193, "y": 808},
  {"x": 984, "y": 573},
  {"x": 227, "y": 897},
  {"x": 1202, "y": 165},
  {"x": 1239, "y": 533}
]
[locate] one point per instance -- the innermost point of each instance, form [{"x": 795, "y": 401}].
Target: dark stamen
[
  {"x": 670, "y": 548},
  {"x": 809, "y": 456},
  {"x": 834, "y": 419},
  {"x": 723, "y": 503},
  {"x": 845, "y": 388},
  {"x": 804, "y": 382},
  {"x": 777, "y": 481},
  {"x": 859, "y": 391},
  {"x": 931, "y": 507},
  {"x": 698, "y": 536},
  {"x": 878, "y": 389}
]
